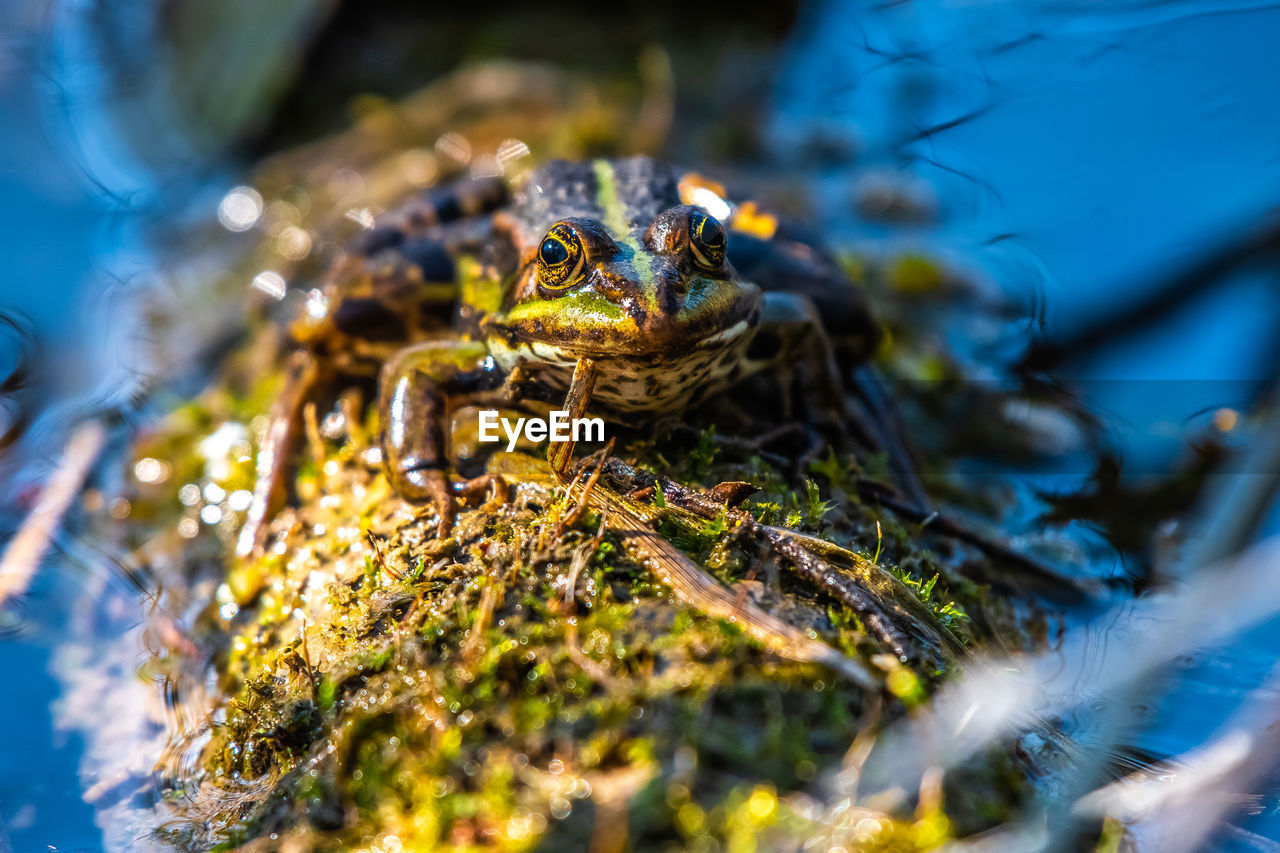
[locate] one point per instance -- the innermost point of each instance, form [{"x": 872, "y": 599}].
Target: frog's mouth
[
  {"x": 585, "y": 324},
  {"x": 568, "y": 354},
  {"x": 729, "y": 335}
]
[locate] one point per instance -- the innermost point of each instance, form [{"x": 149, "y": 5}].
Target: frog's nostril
[
  {"x": 674, "y": 290},
  {"x": 671, "y": 297}
]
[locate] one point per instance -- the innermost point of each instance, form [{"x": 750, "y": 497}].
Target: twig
[
  {"x": 699, "y": 590},
  {"x": 306, "y": 659},
  {"x": 27, "y": 548},
  {"x": 315, "y": 442},
  {"x": 580, "y": 558},
  {"x": 489, "y": 598},
  {"x": 572, "y": 518},
  {"x": 887, "y": 608}
]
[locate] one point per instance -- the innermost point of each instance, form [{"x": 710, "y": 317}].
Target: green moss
[
  {"x": 463, "y": 696},
  {"x": 527, "y": 684}
]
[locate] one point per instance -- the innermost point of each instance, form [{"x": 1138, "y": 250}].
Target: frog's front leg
[
  {"x": 413, "y": 407},
  {"x": 575, "y": 406}
]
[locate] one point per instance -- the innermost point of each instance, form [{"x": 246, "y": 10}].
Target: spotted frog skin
[{"x": 625, "y": 287}]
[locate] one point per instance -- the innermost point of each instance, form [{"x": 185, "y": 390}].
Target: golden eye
[
  {"x": 560, "y": 258},
  {"x": 707, "y": 240}
]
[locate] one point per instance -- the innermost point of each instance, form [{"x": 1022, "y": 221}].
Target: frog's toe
[
  {"x": 429, "y": 485},
  {"x": 488, "y": 491}
]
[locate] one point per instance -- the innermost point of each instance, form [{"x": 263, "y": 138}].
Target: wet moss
[
  {"x": 530, "y": 681},
  {"x": 514, "y": 687}
]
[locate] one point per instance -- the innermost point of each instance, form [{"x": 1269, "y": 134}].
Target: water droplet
[{"x": 240, "y": 209}]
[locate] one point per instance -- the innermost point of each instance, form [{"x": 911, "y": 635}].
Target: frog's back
[{"x": 633, "y": 190}]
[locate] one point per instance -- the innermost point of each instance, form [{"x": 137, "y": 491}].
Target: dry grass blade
[
  {"x": 27, "y": 548},
  {"x": 1180, "y": 805}
]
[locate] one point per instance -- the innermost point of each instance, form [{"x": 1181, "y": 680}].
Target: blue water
[
  {"x": 1114, "y": 144},
  {"x": 1112, "y": 147},
  {"x": 50, "y": 221},
  {"x": 1080, "y": 153}
]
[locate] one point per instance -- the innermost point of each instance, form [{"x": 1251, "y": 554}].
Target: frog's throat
[{"x": 642, "y": 384}]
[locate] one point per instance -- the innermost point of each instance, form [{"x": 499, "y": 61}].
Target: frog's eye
[
  {"x": 707, "y": 240},
  {"x": 560, "y": 258}
]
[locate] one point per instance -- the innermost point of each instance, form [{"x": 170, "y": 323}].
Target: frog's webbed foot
[
  {"x": 434, "y": 486},
  {"x": 488, "y": 491},
  {"x": 427, "y": 485},
  {"x": 415, "y": 389}
]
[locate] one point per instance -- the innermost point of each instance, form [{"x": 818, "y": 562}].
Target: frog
[{"x": 624, "y": 287}]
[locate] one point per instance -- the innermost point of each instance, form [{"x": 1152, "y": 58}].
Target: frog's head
[{"x": 584, "y": 290}]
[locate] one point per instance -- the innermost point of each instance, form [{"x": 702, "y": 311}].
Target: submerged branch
[{"x": 1158, "y": 302}]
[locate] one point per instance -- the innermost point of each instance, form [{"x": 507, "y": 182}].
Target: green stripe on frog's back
[
  {"x": 611, "y": 207},
  {"x": 622, "y": 223}
]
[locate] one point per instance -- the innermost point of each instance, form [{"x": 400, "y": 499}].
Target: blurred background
[{"x": 1110, "y": 169}]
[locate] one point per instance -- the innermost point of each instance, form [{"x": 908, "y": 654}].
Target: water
[
  {"x": 1076, "y": 156},
  {"x": 1081, "y": 157},
  {"x": 49, "y": 220}
]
